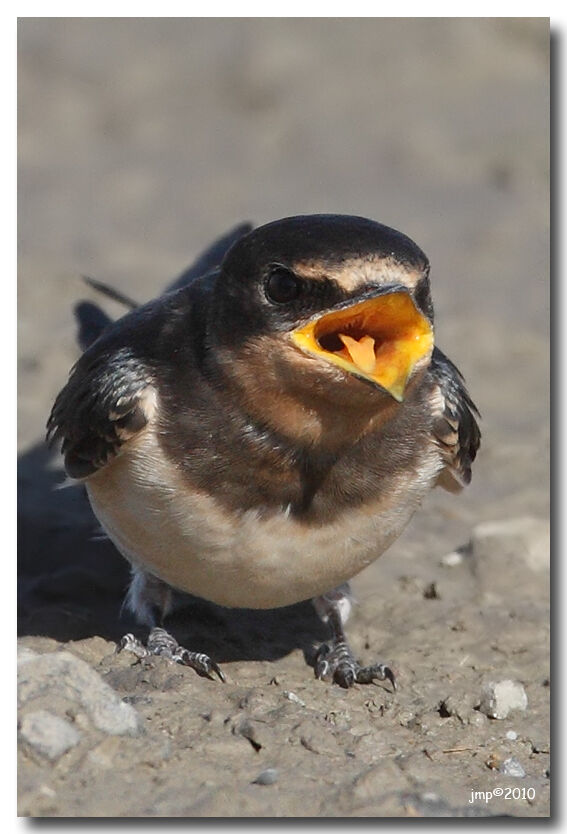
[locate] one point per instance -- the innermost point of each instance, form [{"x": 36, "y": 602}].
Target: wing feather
[
  {"x": 107, "y": 401},
  {"x": 455, "y": 427}
]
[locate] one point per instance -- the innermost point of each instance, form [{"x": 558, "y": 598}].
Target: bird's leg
[
  {"x": 150, "y": 600},
  {"x": 334, "y": 660}
]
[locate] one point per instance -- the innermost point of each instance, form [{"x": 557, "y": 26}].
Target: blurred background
[{"x": 140, "y": 140}]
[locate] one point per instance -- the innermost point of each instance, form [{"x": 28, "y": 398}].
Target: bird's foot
[
  {"x": 335, "y": 661},
  {"x": 160, "y": 642}
]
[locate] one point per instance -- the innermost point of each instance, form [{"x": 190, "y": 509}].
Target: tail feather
[{"x": 110, "y": 292}]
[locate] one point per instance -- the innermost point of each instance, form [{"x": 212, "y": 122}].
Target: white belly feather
[{"x": 191, "y": 542}]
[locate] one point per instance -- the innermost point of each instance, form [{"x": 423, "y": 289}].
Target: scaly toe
[
  {"x": 161, "y": 643},
  {"x": 335, "y": 662},
  {"x": 346, "y": 675},
  {"x": 380, "y": 672},
  {"x": 129, "y": 643},
  {"x": 323, "y": 667},
  {"x": 202, "y": 663}
]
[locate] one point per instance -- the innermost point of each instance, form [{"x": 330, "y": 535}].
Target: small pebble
[
  {"x": 494, "y": 761},
  {"x": 62, "y": 675},
  {"x": 459, "y": 705},
  {"x": 48, "y": 734},
  {"x": 511, "y": 735},
  {"x": 291, "y": 696},
  {"x": 512, "y": 767},
  {"x": 477, "y": 719},
  {"x": 451, "y": 560},
  {"x": 499, "y": 698},
  {"x": 266, "y": 777}
]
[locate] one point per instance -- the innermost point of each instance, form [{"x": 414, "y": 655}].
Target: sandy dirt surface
[{"x": 139, "y": 142}]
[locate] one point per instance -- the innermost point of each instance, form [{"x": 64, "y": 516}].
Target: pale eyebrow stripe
[{"x": 357, "y": 272}]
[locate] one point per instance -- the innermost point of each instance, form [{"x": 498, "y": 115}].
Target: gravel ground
[{"x": 139, "y": 142}]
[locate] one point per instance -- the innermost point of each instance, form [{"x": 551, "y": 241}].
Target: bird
[{"x": 265, "y": 429}]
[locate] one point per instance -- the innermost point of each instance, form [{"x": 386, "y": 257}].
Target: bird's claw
[
  {"x": 202, "y": 663},
  {"x": 129, "y": 643},
  {"x": 160, "y": 642},
  {"x": 379, "y": 672},
  {"x": 336, "y": 662}
]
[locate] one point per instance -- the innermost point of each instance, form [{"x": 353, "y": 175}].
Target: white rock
[
  {"x": 451, "y": 560},
  {"x": 511, "y": 735},
  {"x": 48, "y": 734},
  {"x": 68, "y": 677},
  {"x": 499, "y": 698},
  {"x": 25, "y": 654},
  {"x": 512, "y": 767},
  {"x": 267, "y": 777},
  {"x": 291, "y": 696}
]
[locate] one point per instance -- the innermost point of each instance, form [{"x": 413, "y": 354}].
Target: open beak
[{"x": 380, "y": 339}]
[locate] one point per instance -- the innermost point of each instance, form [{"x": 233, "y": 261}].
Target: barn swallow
[{"x": 266, "y": 428}]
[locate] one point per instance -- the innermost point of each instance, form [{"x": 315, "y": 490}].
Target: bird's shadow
[{"x": 72, "y": 582}]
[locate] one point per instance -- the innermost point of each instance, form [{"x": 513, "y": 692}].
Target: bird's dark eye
[{"x": 282, "y": 286}]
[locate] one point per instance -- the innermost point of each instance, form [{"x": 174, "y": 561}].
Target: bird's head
[{"x": 326, "y": 309}]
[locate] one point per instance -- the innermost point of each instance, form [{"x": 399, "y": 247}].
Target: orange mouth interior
[{"x": 380, "y": 339}]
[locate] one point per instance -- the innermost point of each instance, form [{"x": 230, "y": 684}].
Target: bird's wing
[
  {"x": 455, "y": 428},
  {"x": 93, "y": 321},
  {"x": 108, "y": 399},
  {"x": 211, "y": 257}
]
